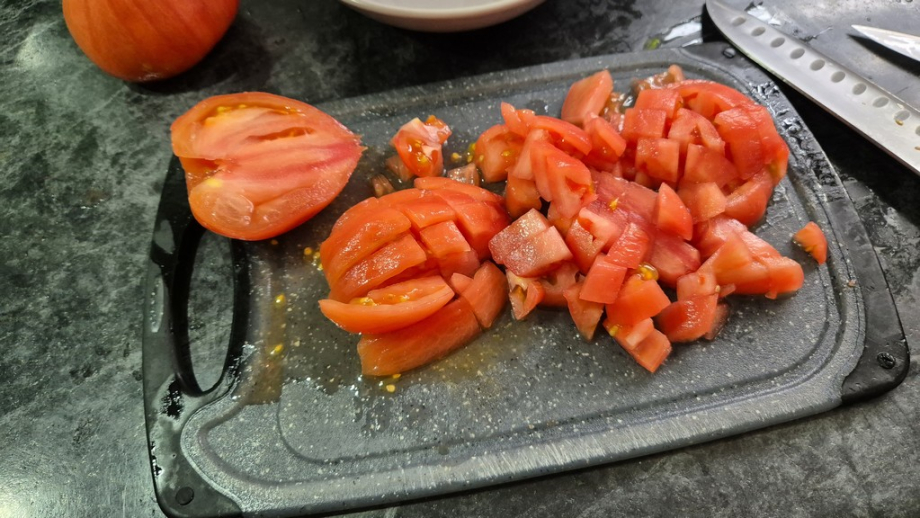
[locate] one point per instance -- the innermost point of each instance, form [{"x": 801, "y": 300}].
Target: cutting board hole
[{"x": 210, "y": 309}]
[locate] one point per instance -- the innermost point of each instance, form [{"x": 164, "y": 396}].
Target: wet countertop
[{"x": 82, "y": 162}]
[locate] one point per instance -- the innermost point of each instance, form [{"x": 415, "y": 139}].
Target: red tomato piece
[
  {"x": 448, "y": 329},
  {"x": 556, "y": 282},
  {"x": 567, "y": 135},
  {"x": 689, "y": 127},
  {"x": 697, "y": 284},
  {"x": 523, "y": 168},
  {"x": 666, "y": 100},
  {"x": 583, "y": 245},
  {"x": 629, "y": 337},
  {"x": 464, "y": 263},
  {"x": 631, "y": 248},
  {"x": 604, "y": 224},
  {"x": 704, "y": 200},
  {"x": 439, "y": 184},
  {"x": 786, "y": 275},
  {"x": 659, "y": 157},
  {"x": 775, "y": 150},
  {"x": 426, "y": 210},
  {"x": 607, "y": 145},
  {"x": 812, "y": 240},
  {"x": 709, "y": 98},
  {"x": 521, "y": 196},
  {"x": 486, "y": 293},
  {"x": 748, "y": 203},
  {"x": 390, "y": 308},
  {"x": 689, "y": 319},
  {"x": 478, "y": 221},
  {"x": 630, "y": 197},
  {"x": 638, "y": 299},
  {"x": 467, "y": 174},
  {"x": 539, "y": 254},
  {"x": 257, "y": 165},
  {"x": 389, "y": 261},
  {"x": 587, "y": 98},
  {"x": 742, "y": 141},
  {"x": 497, "y": 150},
  {"x": 638, "y": 123},
  {"x": 602, "y": 284},
  {"x": 568, "y": 181},
  {"x": 718, "y": 322},
  {"x": 731, "y": 263},
  {"x": 419, "y": 145},
  {"x": 673, "y": 258},
  {"x": 671, "y": 215},
  {"x": 359, "y": 237},
  {"x": 525, "y": 294},
  {"x": 703, "y": 165},
  {"x": 515, "y": 235},
  {"x": 651, "y": 352},
  {"x": 460, "y": 282},
  {"x": 517, "y": 120},
  {"x": 443, "y": 239},
  {"x": 585, "y": 314}
]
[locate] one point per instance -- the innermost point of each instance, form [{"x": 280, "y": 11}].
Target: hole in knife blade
[
  {"x": 758, "y": 31},
  {"x": 918, "y": 130},
  {"x": 838, "y": 76},
  {"x": 797, "y": 53},
  {"x": 738, "y": 21},
  {"x": 859, "y": 88},
  {"x": 778, "y": 42},
  {"x": 880, "y": 102},
  {"x": 817, "y": 64}
]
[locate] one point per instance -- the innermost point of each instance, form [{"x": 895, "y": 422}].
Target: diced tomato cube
[
  {"x": 607, "y": 145},
  {"x": 659, "y": 158},
  {"x": 516, "y": 234},
  {"x": 700, "y": 283},
  {"x": 742, "y": 140},
  {"x": 450, "y": 328},
  {"x": 629, "y": 337},
  {"x": 812, "y": 240},
  {"x": 709, "y": 98},
  {"x": 603, "y": 282},
  {"x": 638, "y": 299},
  {"x": 748, "y": 203},
  {"x": 539, "y": 254},
  {"x": 631, "y": 248},
  {"x": 689, "y": 319},
  {"x": 689, "y": 127},
  {"x": 673, "y": 258},
  {"x": 583, "y": 245},
  {"x": 444, "y": 239},
  {"x": 775, "y": 150},
  {"x": 497, "y": 150},
  {"x": 459, "y": 282},
  {"x": 521, "y": 196},
  {"x": 465, "y": 263},
  {"x": 786, "y": 275},
  {"x": 604, "y": 224},
  {"x": 651, "y": 352},
  {"x": 514, "y": 120},
  {"x": 567, "y": 136},
  {"x": 587, "y": 97},
  {"x": 718, "y": 322},
  {"x": 704, "y": 200},
  {"x": 569, "y": 183},
  {"x": 486, "y": 293},
  {"x": 704, "y": 165},
  {"x": 671, "y": 215},
  {"x": 667, "y": 100},
  {"x": 638, "y": 123},
  {"x": 556, "y": 282},
  {"x": 525, "y": 294},
  {"x": 585, "y": 314}
]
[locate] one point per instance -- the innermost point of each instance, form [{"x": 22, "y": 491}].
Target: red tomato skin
[
  {"x": 147, "y": 41},
  {"x": 587, "y": 97},
  {"x": 748, "y": 203},
  {"x": 673, "y": 258},
  {"x": 813, "y": 241},
  {"x": 565, "y": 133},
  {"x": 385, "y": 316},
  {"x": 742, "y": 141},
  {"x": 651, "y": 352},
  {"x": 585, "y": 314},
  {"x": 450, "y": 328},
  {"x": 631, "y": 248},
  {"x": 427, "y": 210},
  {"x": 486, "y": 294},
  {"x": 386, "y": 263},
  {"x": 688, "y": 320},
  {"x": 358, "y": 238},
  {"x": 253, "y": 189}
]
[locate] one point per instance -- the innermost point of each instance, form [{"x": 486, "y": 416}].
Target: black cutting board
[{"x": 295, "y": 429}]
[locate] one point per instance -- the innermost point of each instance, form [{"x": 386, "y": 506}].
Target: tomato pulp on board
[{"x": 257, "y": 165}]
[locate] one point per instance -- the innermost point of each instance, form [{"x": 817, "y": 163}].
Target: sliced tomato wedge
[
  {"x": 390, "y": 308},
  {"x": 525, "y": 293},
  {"x": 638, "y": 299},
  {"x": 659, "y": 158},
  {"x": 667, "y": 100},
  {"x": 486, "y": 293},
  {"x": 584, "y": 313},
  {"x": 639, "y": 123},
  {"x": 587, "y": 98},
  {"x": 671, "y": 215},
  {"x": 688, "y": 320},
  {"x": 812, "y": 240},
  {"x": 652, "y": 352},
  {"x": 603, "y": 282},
  {"x": 419, "y": 145},
  {"x": 448, "y": 329},
  {"x": 497, "y": 150},
  {"x": 257, "y": 165}
]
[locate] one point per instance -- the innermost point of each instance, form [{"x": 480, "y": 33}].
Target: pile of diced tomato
[{"x": 611, "y": 210}]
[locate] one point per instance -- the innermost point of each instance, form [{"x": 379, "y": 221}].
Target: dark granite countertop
[{"x": 82, "y": 161}]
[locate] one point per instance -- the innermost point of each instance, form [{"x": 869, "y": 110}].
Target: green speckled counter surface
[{"x": 82, "y": 161}]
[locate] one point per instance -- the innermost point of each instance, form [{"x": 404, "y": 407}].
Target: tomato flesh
[
  {"x": 419, "y": 145},
  {"x": 587, "y": 97},
  {"x": 812, "y": 240}
]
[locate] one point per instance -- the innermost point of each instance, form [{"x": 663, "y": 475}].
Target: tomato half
[{"x": 258, "y": 164}]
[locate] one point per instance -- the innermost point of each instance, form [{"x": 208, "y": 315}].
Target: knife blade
[
  {"x": 906, "y": 44},
  {"x": 887, "y": 121}
]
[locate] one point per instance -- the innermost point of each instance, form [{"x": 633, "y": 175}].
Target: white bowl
[{"x": 442, "y": 15}]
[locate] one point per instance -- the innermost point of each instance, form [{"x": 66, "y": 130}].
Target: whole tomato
[{"x": 143, "y": 40}]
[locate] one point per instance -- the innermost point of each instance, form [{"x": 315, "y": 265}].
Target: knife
[
  {"x": 906, "y": 44},
  {"x": 884, "y": 119}
]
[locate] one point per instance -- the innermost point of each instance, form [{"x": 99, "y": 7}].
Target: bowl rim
[{"x": 435, "y": 12}]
